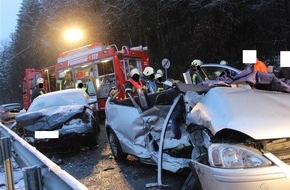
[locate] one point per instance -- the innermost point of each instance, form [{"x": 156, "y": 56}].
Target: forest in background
[{"x": 180, "y": 30}]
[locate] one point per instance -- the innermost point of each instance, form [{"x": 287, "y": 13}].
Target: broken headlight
[{"x": 233, "y": 156}]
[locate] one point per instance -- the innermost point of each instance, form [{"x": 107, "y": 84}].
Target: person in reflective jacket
[
  {"x": 149, "y": 79},
  {"x": 81, "y": 86},
  {"x": 134, "y": 82},
  {"x": 260, "y": 66},
  {"x": 196, "y": 73},
  {"x": 39, "y": 90},
  {"x": 159, "y": 80}
]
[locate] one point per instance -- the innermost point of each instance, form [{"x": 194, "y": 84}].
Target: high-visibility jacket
[
  {"x": 131, "y": 86},
  {"x": 260, "y": 66}
]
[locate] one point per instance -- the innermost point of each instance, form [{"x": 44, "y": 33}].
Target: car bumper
[
  {"x": 263, "y": 178},
  {"x": 69, "y": 133}
]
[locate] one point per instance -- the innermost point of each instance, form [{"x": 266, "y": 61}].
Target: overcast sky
[{"x": 8, "y": 17}]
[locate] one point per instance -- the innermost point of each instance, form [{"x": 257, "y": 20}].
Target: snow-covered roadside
[
  {"x": 17, "y": 172},
  {"x": 18, "y": 177}
]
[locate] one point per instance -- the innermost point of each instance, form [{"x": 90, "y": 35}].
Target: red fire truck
[{"x": 99, "y": 67}]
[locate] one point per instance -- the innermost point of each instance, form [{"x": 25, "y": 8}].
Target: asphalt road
[{"x": 97, "y": 169}]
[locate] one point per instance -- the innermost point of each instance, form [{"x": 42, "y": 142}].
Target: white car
[
  {"x": 242, "y": 140},
  {"x": 208, "y": 71},
  {"x": 233, "y": 137}
]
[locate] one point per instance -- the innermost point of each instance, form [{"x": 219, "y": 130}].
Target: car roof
[{"x": 222, "y": 66}]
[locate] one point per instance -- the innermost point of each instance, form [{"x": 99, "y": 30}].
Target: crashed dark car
[
  {"x": 233, "y": 133},
  {"x": 67, "y": 113}
]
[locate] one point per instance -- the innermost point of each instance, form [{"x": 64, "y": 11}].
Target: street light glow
[{"x": 73, "y": 35}]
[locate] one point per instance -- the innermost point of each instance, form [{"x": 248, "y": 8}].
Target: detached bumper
[{"x": 265, "y": 178}]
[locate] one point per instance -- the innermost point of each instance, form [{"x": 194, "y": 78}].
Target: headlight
[{"x": 234, "y": 156}]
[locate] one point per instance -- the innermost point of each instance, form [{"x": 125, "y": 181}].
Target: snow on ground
[{"x": 18, "y": 177}]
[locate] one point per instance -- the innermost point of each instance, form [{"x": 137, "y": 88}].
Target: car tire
[
  {"x": 191, "y": 183},
  {"x": 116, "y": 147}
]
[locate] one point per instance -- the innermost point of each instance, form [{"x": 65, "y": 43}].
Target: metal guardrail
[{"x": 28, "y": 157}]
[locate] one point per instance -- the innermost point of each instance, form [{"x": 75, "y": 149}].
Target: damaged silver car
[
  {"x": 68, "y": 113},
  {"x": 234, "y": 134}
]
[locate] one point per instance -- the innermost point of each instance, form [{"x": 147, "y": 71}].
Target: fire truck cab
[{"x": 99, "y": 67}]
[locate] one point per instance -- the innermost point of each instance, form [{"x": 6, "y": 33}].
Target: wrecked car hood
[
  {"x": 48, "y": 119},
  {"x": 257, "y": 113}
]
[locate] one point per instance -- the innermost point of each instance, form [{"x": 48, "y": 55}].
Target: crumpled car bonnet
[
  {"x": 48, "y": 119},
  {"x": 259, "y": 114}
]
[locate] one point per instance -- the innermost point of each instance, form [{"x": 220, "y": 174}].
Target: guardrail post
[
  {"x": 32, "y": 178},
  {"x": 5, "y": 146}
]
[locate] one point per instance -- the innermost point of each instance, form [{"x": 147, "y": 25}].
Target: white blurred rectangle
[
  {"x": 46, "y": 134},
  {"x": 249, "y": 56},
  {"x": 284, "y": 58}
]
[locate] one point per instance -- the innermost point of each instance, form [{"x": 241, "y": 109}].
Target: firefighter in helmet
[
  {"x": 195, "y": 71},
  {"x": 39, "y": 89},
  {"x": 81, "y": 86},
  {"x": 149, "y": 78},
  {"x": 159, "y": 80},
  {"x": 134, "y": 82}
]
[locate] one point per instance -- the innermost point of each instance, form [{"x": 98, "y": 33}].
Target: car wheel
[
  {"x": 116, "y": 147},
  {"x": 191, "y": 183}
]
